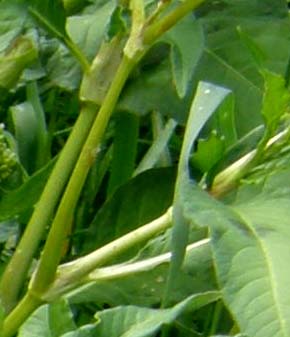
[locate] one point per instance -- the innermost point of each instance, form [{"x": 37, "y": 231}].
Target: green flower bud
[{"x": 8, "y": 159}]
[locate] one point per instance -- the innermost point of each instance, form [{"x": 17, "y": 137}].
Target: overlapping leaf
[{"x": 251, "y": 251}]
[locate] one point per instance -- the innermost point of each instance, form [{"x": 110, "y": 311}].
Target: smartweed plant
[{"x": 144, "y": 168}]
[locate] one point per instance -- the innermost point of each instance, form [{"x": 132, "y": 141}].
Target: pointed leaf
[
  {"x": 276, "y": 98},
  {"x": 207, "y": 99}
]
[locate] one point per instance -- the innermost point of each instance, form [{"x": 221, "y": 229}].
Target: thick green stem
[
  {"x": 155, "y": 30},
  {"x": 16, "y": 271},
  {"x": 51, "y": 255},
  {"x": 28, "y": 304}
]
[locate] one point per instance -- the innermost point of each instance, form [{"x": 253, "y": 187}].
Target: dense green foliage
[{"x": 144, "y": 168}]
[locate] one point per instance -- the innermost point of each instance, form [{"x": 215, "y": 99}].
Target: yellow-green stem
[
  {"x": 16, "y": 271},
  {"x": 25, "y": 307},
  {"x": 51, "y": 255},
  {"x": 155, "y": 30}
]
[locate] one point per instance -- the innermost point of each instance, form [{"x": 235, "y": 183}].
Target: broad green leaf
[
  {"x": 132, "y": 321},
  {"x": 186, "y": 50},
  {"x": 13, "y": 17},
  {"x": 45, "y": 13},
  {"x": 151, "y": 194},
  {"x": 24, "y": 198},
  {"x": 207, "y": 98},
  {"x": 227, "y": 61},
  {"x": 51, "y": 320},
  {"x": 63, "y": 70},
  {"x": 256, "y": 52},
  {"x": 251, "y": 253},
  {"x": 83, "y": 331},
  {"x": 124, "y": 150},
  {"x": 259, "y": 298},
  {"x": 153, "y": 90},
  {"x": 88, "y": 30}
]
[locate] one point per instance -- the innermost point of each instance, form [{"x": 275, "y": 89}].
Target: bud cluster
[{"x": 8, "y": 159}]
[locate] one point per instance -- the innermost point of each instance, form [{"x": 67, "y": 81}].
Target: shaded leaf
[
  {"x": 134, "y": 321},
  {"x": 186, "y": 50},
  {"x": 276, "y": 99},
  {"x": 17, "y": 201},
  {"x": 45, "y": 13},
  {"x": 153, "y": 90},
  {"x": 30, "y": 132},
  {"x": 150, "y": 193},
  {"x": 124, "y": 150}
]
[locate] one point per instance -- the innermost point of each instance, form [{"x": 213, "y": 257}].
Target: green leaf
[
  {"x": 84, "y": 331},
  {"x": 124, "y": 150},
  {"x": 251, "y": 250},
  {"x": 186, "y": 50},
  {"x": 153, "y": 90},
  {"x": 30, "y": 131},
  {"x": 88, "y": 30},
  {"x": 24, "y": 198},
  {"x": 51, "y": 320},
  {"x": 228, "y": 62},
  {"x": 145, "y": 288},
  {"x": 21, "y": 53},
  {"x": 45, "y": 13},
  {"x": 259, "y": 299},
  {"x": 207, "y": 99},
  {"x": 13, "y": 17},
  {"x": 224, "y": 121},
  {"x": 151, "y": 194},
  {"x": 132, "y": 321},
  {"x": 209, "y": 152},
  {"x": 276, "y": 99},
  {"x": 159, "y": 146}
]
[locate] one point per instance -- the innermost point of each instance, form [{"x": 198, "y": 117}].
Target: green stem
[
  {"x": 16, "y": 271},
  {"x": 78, "y": 54},
  {"x": 216, "y": 318},
  {"x": 124, "y": 270},
  {"x": 26, "y": 306},
  {"x": 156, "y": 29},
  {"x": 72, "y": 274},
  {"x": 51, "y": 255}
]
